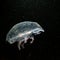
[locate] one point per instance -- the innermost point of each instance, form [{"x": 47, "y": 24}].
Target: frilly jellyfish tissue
[{"x": 23, "y": 31}]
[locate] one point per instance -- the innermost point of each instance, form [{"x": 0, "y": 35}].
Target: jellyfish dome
[{"x": 23, "y": 31}]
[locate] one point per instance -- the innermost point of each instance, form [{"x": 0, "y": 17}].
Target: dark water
[{"x": 46, "y": 13}]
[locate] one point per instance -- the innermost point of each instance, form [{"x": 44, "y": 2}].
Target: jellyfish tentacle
[
  {"x": 32, "y": 39},
  {"x": 26, "y": 38},
  {"x": 19, "y": 43},
  {"x": 22, "y": 45}
]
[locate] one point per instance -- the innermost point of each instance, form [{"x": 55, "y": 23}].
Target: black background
[{"x": 46, "y": 13}]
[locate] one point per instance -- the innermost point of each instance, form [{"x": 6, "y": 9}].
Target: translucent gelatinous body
[{"x": 23, "y": 31}]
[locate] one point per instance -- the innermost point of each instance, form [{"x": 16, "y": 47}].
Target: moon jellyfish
[{"x": 23, "y": 31}]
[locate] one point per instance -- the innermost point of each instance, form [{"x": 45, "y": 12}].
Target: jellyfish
[{"x": 22, "y": 32}]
